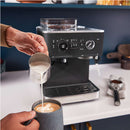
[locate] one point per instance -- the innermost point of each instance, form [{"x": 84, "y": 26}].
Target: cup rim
[
  {"x": 40, "y": 54},
  {"x": 47, "y": 100}
]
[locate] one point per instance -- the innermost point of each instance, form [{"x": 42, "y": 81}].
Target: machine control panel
[
  {"x": 64, "y": 45},
  {"x": 74, "y": 45}
]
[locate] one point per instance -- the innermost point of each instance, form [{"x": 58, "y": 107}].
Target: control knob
[
  {"x": 90, "y": 44},
  {"x": 63, "y": 46}
]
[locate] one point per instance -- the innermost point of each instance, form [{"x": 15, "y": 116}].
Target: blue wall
[{"x": 115, "y": 22}]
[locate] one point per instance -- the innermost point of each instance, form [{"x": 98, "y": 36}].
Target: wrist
[{"x": 10, "y": 36}]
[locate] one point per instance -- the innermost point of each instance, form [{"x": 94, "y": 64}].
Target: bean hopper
[{"x": 70, "y": 48}]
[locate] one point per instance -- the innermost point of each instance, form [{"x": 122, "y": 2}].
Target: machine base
[
  {"x": 76, "y": 98},
  {"x": 66, "y": 94}
]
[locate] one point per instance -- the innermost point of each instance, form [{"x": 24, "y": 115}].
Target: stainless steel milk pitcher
[{"x": 40, "y": 65}]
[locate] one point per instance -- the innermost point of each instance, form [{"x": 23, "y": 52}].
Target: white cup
[
  {"x": 89, "y": 1},
  {"x": 69, "y": 1},
  {"x": 65, "y": 1}
]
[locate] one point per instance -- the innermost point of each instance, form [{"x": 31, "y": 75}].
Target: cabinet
[{"x": 117, "y": 123}]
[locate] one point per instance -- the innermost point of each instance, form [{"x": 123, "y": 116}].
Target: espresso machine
[{"x": 70, "y": 48}]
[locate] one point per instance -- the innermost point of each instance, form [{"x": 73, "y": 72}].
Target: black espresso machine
[{"x": 70, "y": 48}]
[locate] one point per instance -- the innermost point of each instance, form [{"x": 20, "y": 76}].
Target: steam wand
[{"x": 97, "y": 59}]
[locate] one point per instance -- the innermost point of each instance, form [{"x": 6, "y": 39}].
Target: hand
[
  {"x": 28, "y": 43},
  {"x": 15, "y": 121}
]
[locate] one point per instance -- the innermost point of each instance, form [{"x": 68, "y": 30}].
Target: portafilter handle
[{"x": 116, "y": 98}]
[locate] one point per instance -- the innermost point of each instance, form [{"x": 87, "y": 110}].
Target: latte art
[{"x": 47, "y": 107}]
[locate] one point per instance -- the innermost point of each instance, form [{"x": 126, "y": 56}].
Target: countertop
[{"x": 18, "y": 93}]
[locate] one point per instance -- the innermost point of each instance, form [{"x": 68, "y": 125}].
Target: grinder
[{"x": 70, "y": 48}]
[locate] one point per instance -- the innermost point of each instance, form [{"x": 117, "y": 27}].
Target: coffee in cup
[
  {"x": 47, "y": 107},
  {"x": 49, "y": 114}
]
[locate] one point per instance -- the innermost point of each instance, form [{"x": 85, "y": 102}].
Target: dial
[
  {"x": 63, "y": 46},
  {"x": 90, "y": 44}
]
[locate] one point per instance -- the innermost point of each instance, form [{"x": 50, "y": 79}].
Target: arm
[{"x": 3, "y": 35}]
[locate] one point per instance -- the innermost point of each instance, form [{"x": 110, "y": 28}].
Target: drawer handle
[
  {"x": 73, "y": 127},
  {"x": 88, "y": 126}
]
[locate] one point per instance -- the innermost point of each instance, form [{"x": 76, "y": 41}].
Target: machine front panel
[{"x": 73, "y": 45}]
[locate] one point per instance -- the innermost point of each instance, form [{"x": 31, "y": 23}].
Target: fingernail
[
  {"x": 41, "y": 48},
  {"x": 33, "y": 113}
]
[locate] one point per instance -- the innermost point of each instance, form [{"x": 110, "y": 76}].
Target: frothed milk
[
  {"x": 47, "y": 107},
  {"x": 39, "y": 67}
]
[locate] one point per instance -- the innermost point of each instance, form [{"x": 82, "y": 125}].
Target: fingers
[
  {"x": 36, "y": 46},
  {"x": 34, "y": 125},
  {"x": 42, "y": 42},
  {"x": 38, "y": 43},
  {"x": 25, "y": 116},
  {"x": 28, "y": 51},
  {"x": 31, "y": 44}
]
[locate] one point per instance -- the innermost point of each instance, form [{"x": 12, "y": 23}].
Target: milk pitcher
[{"x": 40, "y": 65}]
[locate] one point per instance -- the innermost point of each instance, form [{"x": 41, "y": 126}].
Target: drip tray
[{"x": 72, "y": 93}]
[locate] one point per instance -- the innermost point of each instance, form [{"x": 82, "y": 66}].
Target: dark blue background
[{"x": 115, "y": 22}]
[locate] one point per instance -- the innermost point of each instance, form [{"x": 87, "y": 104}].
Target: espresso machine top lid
[
  {"x": 58, "y": 24},
  {"x": 64, "y": 25}
]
